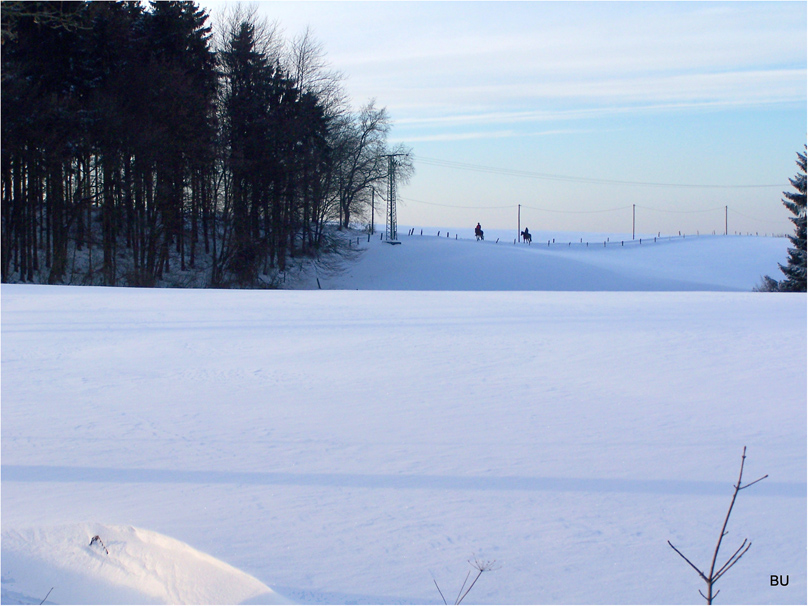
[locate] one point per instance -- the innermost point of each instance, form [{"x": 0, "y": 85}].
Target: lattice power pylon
[{"x": 391, "y": 229}]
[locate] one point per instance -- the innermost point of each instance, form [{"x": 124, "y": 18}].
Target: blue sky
[{"x": 579, "y": 110}]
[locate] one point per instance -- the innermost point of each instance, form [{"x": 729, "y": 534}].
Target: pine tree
[{"x": 794, "y": 271}]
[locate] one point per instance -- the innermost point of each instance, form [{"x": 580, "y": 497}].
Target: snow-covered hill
[
  {"x": 554, "y": 261},
  {"x": 345, "y": 446}
]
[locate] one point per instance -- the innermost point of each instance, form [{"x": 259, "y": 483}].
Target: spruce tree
[{"x": 794, "y": 271}]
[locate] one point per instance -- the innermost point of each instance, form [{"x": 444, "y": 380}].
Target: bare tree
[
  {"x": 360, "y": 157},
  {"x": 714, "y": 574},
  {"x": 306, "y": 63},
  {"x": 268, "y": 35}
]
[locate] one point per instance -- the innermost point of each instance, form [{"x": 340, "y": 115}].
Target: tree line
[{"x": 138, "y": 140}]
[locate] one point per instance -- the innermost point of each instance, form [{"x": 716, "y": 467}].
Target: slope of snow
[
  {"x": 127, "y": 566},
  {"x": 357, "y": 447},
  {"x": 565, "y": 261}
]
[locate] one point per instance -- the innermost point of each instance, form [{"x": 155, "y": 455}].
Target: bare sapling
[
  {"x": 714, "y": 574},
  {"x": 480, "y": 566}
]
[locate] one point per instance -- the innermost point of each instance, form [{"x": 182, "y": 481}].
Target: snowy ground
[
  {"x": 555, "y": 261},
  {"x": 355, "y": 447}
]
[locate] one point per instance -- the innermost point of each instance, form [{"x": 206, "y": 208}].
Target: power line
[
  {"x": 548, "y": 210},
  {"x": 408, "y": 199},
  {"x": 580, "y": 212},
  {"x": 754, "y": 218},
  {"x": 681, "y": 212},
  {"x": 576, "y": 212},
  {"x": 568, "y": 178}
]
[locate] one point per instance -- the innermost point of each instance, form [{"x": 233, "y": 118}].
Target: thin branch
[
  {"x": 470, "y": 586},
  {"x": 439, "y": 591},
  {"x": 46, "y": 597},
  {"x": 458, "y": 598},
  {"x": 731, "y": 562},
  {"x": 481, "y": 566},
  {"x": 726, "y": 566},
  {"x": 755, "y": 482},
  {"x": 701, "y": 574}
]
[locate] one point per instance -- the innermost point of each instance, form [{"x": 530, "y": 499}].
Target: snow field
[{"x": 350, "y": 447}]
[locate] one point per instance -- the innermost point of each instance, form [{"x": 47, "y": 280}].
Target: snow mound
[{"x": 127, "y": 566}]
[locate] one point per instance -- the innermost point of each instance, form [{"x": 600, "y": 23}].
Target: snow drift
[{"x": 126, "y": 566}]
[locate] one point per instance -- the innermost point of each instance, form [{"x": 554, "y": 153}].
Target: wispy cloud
[
  {"x": 472, "y": 135},
  {"x": 548, "y": 98},
  {"x": 585, "y": 56},
  {"x": 448, "y": 117}
]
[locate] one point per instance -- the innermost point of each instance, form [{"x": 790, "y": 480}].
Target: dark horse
[
  {"x": 526, "y": 236},
  {"x": 479, "y": 233}
]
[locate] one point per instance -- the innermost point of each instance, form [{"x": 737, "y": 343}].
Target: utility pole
[
  {"x": 519, "y": 224},
  {"x": 391, "y": 229}
]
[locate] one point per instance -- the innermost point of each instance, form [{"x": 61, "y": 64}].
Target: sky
[{"x": 574, "y": 116}]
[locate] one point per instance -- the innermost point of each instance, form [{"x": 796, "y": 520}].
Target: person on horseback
[
  {"x": 526, "y": 236},
  {"x": 478, "y": 231}
]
